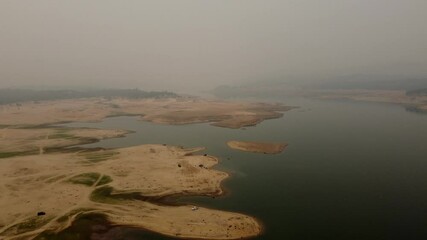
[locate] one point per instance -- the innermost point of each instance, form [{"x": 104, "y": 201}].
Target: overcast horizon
[{"x": 198, "y": 45}]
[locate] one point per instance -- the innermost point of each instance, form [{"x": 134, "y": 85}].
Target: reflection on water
[{"x": 351, "y": 171}]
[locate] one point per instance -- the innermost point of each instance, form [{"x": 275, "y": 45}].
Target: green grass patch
[
  {"x": 72, "y": 213},
  {"x": 99, "y": 156},
  {"x": 29, "y": 224},
  {"x": 87, "y": 179},
  {"x": 60, "y": 135},
  {"x": 11, "y": 154},
  {"x": 104, "y": 195},
  {"x": 104, "y": 180}
]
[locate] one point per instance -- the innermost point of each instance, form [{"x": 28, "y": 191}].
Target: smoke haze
[{"x": 192, "y": 45}]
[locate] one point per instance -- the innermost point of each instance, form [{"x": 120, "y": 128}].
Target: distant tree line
[
  {"x": 24, "y": 95},
  {"x": 417, "y": 92}
]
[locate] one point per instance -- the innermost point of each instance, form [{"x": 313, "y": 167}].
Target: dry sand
[
  {"x": 54, "y": 183},
  {"x": 124, "y": 184},
  {"x": 166, "y": 111},
  {"x": 38, "y": 140},
  {"x": 258, "y": 147}
]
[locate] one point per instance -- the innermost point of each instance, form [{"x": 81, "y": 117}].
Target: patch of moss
[
  {"x": 88, "y": 179},
  {"x": 29, "y": 224},
  {"x": 60, "y": 135},
  {"x": 104, "y": 180},
  {"x": 104, "y": 195},
  {"x": 11, "y": 154},
  {"x": 99, "y": 156},
  {"x": 72, "y": 213}
]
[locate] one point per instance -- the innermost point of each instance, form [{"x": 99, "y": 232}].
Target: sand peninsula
[
  {"x": 122, "y": 184},
  {"x": 181, "y": 110},
  {"x": 46, "y": 185},
  {"x": 258, "y": 147}
]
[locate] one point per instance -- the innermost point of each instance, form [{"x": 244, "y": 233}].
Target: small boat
[{"x": 194, "y": 208}]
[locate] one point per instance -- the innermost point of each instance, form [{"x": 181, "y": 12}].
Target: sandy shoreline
[
  {"x": 60, "y": 187},
  {"x": 162, "y": 111},
  {"x": 122, "y": 184},
  {"x": 258, "y": 147}
]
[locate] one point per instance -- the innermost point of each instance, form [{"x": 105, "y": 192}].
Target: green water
[{"x": 351, "y": 171}]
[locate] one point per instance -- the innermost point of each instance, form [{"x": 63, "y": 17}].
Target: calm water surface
[{"x": 351, "y": 171}]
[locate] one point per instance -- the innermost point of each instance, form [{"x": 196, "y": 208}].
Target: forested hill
[{"x": 23, "y": 95}]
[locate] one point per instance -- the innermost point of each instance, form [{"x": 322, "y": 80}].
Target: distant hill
[{"x": 23, "y": 95}]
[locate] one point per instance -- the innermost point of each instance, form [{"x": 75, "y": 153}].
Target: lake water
[{"x": 351, "y": 170}]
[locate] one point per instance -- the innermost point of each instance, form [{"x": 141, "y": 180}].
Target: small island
[{"x": 258, "y": 147}]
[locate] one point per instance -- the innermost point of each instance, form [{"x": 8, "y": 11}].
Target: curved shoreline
[
  {"x": 79, "y": 173},
  {"x": 162, "y": 111},
  {"x": 108, "y": 226},
  {"x": 123, "y": 211}
]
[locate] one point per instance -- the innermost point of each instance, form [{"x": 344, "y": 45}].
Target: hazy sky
[{"x": 199, "y": 44}]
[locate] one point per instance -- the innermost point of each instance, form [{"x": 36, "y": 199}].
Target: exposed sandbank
[
  {"x": 38, "y": 140},
  {"x": 164, "y": 111},
  {"x": 122, "y": 184},
  {"x": 258, "y": 147},
  {"x": 64, "y": 185}
]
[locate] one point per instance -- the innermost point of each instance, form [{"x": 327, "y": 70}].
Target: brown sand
[
  {"x": 30, "y": 184},
  {"x": 38, "y": 140},
  {"x": 167, "y": 111},
  {"x": 257, "y": 147},
  {"x": 64, "y": 185}
]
